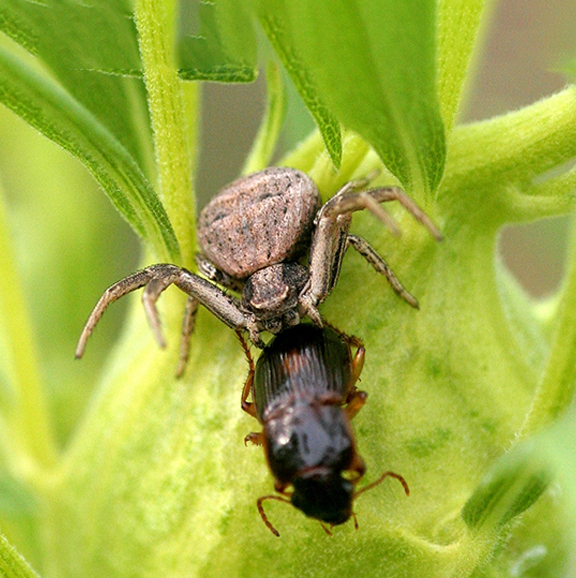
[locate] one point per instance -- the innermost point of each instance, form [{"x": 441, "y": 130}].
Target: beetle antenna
[
  {"x": 326, "y": 529},
  {"x": 263, "y": 513},
  {"x": 381, "y": 479},
  {"x": 355, "y": 520}
]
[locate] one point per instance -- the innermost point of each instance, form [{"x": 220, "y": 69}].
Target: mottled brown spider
[{"x": 254, "y": 235}]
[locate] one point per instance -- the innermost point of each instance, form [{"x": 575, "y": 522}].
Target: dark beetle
[{"x": 304, "y": 394}]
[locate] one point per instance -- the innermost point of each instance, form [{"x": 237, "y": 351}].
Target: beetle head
[{"x": 323, "y": 495}]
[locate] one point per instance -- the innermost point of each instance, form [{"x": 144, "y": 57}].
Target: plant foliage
[{"x": 467, "y": 396}]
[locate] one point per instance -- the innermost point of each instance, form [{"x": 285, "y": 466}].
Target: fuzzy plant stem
[{"x": 154, "y": 20}]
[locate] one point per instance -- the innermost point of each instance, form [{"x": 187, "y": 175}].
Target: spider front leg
[
  {"x": 331, "y": 239},
  {"x": 113, "y": 293},
  {"x": 156, "y": 279}
]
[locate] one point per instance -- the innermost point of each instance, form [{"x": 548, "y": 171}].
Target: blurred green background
[{"x": 65, "y": 267}]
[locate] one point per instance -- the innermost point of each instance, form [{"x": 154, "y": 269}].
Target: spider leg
[
  {"x": 207, "y": 268},
  {"x": 331, "y": 239},
  {"x": 188, "y": 324},
  {"x": 157, "y": 278},
  {"x": 113, "y": 293},
  {"x": 368, "y": 252}
]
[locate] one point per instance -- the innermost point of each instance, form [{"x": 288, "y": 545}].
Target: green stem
[
  {"x": 327, "y": 178},
  {"x": 166, "y": 103},
  {"x": 267, "y": 137},
  {"x": 562, "y": 186},
  {"x": 528, "y": 208},
  {"x": 556, "y": 389},
  {"x": 516, "y": 146},
  {"x": 29, "y": 416},
  {"x": 305, "y": 154}
]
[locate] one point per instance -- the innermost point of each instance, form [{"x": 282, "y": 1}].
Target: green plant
[{"x": 153, "y": 479}]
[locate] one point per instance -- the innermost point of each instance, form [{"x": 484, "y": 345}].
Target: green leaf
[
  {"x": 269, "y": 131},
  {"x": 26, "y": 416},
  {"x": 41, "y": 103},
  {"x": 101, "y": 116},
  {"x": 543, "y": 541},
  {"x": 459, "y": 24},
  {"x": 372, "y": 63},
  {"x": 12, "y": 565},
  {"x": 216, "y": 41},
  {"x": 290, "y": 56},
  {"x": 87, "y": 46},
  {"x": 515, "y": 483}
]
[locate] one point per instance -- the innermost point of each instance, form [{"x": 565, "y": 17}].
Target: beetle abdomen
[
  {"x": 303, "y": 361},
  {"x": 259, "y": 220}
]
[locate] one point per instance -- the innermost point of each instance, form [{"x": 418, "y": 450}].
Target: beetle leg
[
  {"x": 329, "y": 398},
  {"x": 381, "y": 479},
  {"x": 358, "y": 467},
  {"x": 358, "y": 364},
  {"x": 249, "y": 408},
  {"x": 256, "y": 438},
  {"x": 355, "y": 402},
  {"x": 358, "y": 361},
  {"x": 355, "y": 521},
  {"x": 364, "y": 248},
  {"x": 246, "y": 405}
]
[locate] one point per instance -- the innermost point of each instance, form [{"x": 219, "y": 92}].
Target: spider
[{"x": 254, "y": 235}]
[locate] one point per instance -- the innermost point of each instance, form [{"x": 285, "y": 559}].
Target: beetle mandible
[
  {"x": 304, "y": 395},
  {"x": 253, "y": 235}
]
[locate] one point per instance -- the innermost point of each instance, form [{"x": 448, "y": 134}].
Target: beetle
[
  {"x": 304, "y": 394},
  {"x": 254, "y": 235}
]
